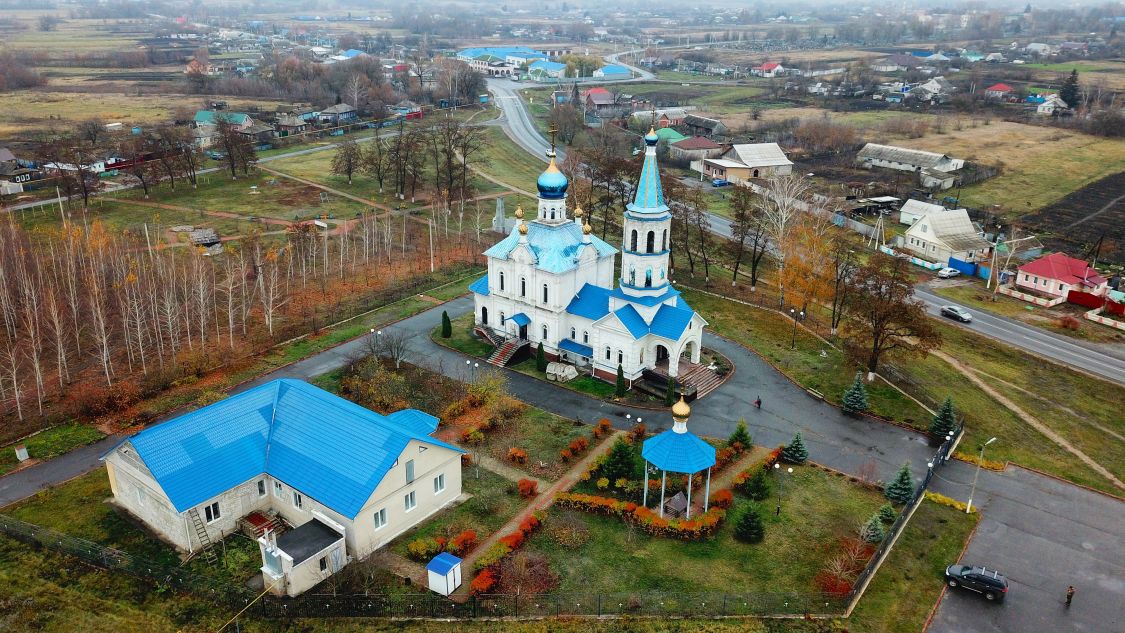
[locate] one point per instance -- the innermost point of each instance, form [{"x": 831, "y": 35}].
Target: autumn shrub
[
  {"x": 513, "y": 540},
  {"x": 638, "y": 432},
  {"x": 483, "y": 583},
  {"x": 695, "y": 528},
  {"x": 87, "y": 400},
  {"x": 461, "y": 544},
  {"x": 579, "y": 445},
  {"x": 472, "y": 435},
  {"x": 722, "y": 499},
  {"x": 602, "y": 483},
  {"x": 565, "y": 455},
  {"x": 517, "y": 455},
  {"x": 833, "y": 585},
  {"x": 423, "y": 549},
  {"x": 491, "y": 556},
  {"x": 528, "y": 488},
  {"x": 454, "y": 410},
  {"x": 1068, "y": 322},
  {"x": 602, "y": 428},
  {"x": 466, "y": 459}
]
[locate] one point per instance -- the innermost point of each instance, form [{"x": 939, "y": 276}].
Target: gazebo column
[
  {"x": 690, "y": 477},
  {"x": 663, "y": 479},
  {"x": 707, "y": 491},
  {"x": 644, "y": 482}
]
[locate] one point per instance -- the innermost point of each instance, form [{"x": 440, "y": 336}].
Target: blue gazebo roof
[{"x": 679, "y": 452}]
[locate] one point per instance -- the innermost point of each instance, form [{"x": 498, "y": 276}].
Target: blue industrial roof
[
  {"x": 480, "y": 286},
  {"x": 556, "y": 247},
  {"x": 678, "y": 452},
  {"x": 613, "y": 69},
  {"x": 650, "y": 196},
  {"x": 329, "y": 448},
  {"x": 443, "y": 563},
  {"x": 351, "y": 52},
  {"x": 520, "y": 318},
  {"x": 591, "y": 302},
  {"x": 498, "y": 51},
  {"x": 574, "y": 347},
  {"x": 546, "y": 66}
]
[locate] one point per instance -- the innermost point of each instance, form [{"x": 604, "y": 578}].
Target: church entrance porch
[{"x": 704, "y": 377}]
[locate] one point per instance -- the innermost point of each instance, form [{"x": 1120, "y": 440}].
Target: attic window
[{"x": 422, "y": 449}]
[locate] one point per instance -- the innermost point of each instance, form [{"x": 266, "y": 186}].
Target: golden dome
[
  {"x": 552, "y": 168},
  {"x": 681, "y": 411},
  {"x": 587, "y": 229},
  {"x": 523, "y": 228},
  {"x": 519, "y": 212},
  {"x": 578, "y": 212}
]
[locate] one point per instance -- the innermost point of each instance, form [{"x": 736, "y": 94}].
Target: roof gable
[{"x": 591, "y": 302}]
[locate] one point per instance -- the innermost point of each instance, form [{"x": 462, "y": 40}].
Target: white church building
[{"x": 551, "y": 281}]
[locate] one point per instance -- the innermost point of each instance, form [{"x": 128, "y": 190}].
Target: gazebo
[{"x": 679, "y": 451}]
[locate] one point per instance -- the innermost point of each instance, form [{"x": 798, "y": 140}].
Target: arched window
[
  {"x": 648, "y": 278},
  {"x": 502, "y": 319},
  {"x": 544, "y": 293},
  {"x": 552, "y": 214},
  {"x": 484, "y": 315},
  {"x": 544, "y": 332},
  {"x": 755, "y": 173},
  {"x": 633, "y": 240},
  {"x": 607, "y": 352},
  {"x": 662, "y": 273},
  {"x": 664, "y": 241},
  {"x": 572, "y": 335},
  {"x": 650, "y": 243},
  {"x": 620, "y": 357},
  {"x": 523, "y": 286},
  {"x": 585, "y": 337},
  {"x": 501, "y": 280}
]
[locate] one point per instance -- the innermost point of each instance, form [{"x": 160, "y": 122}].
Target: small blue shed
[{"x": 444, "y": 573}]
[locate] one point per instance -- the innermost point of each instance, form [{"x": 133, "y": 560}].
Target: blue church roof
[
  {"x": 329, "y": 448},
  {"x": 668, "y": 322},
  {"x": 678, "y": 452},
  {"x": 480, "y": 286},
  {"x": 574, "y": 347},
  {"x": 556, "y": 246},
  {"x": 650, "y": 196},
  {"x": 591, "y": 302}
]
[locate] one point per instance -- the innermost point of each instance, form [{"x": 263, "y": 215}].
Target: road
[{"x": 1088, "y": 358}]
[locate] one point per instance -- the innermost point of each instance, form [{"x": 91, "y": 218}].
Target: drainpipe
[{"x": 187, "y": 533}]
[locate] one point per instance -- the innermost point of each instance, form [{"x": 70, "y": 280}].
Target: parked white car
[{"x": 946, "y": 273}]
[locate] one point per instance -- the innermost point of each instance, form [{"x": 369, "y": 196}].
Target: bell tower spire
[{"x": 646, "y": 243}]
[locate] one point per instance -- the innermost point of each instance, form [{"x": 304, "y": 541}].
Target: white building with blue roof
[
  {"x": 349, "y": 479},
  {"x": 551, "y": 281}
]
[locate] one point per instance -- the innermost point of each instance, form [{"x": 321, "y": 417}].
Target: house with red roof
[
  {"x": 599, "y": 99},
  {"x": 768, "y": 69},
  {"x": 1056, "y": 275},
  {"x": 998, "y": 91}
]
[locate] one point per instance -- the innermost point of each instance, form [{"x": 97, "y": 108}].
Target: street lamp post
[
  {"x": 973, "y": 490},
  {"x": 777, "y": 469},
  {"x": 793, "y": 312}
]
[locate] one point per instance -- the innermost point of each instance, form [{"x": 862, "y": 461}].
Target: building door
[
  {"x": 484, "y": 315},
  {"x": 661, "y": 354},
  {"x": 523, "y": 332}
]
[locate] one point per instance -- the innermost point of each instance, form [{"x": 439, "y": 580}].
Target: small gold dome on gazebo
[
  {"x": 523, "y": 228},
  {"x": 681, "y": 411},
  {"x": 587, "y": 229},
  {"x": 519, "y": 212}
]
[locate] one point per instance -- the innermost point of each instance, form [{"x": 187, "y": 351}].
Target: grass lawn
[
  {"x": 541, "y": 434},
  {"x": 818, "y": 509},
  {"x": 494, "y": 501},
  {"x": 908, "y": 584},
  {"x": 50, "y": 443},
  {"x": 512, "y": 165}
]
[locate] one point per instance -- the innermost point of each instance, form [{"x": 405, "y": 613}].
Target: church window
[
  {"x": 620, "y": 357},
  {"x": 585, "y": 337},
  {"x": 633, "y": 240},
  {"x": 650, "y": 243},
  {"x": 552, "y": 214},
  {"x": 572, "y": 335},
  {"x": 523, "y": 286},
  {"x": 648, "y": 278},
  {"x": 502, "y": 318},
  {"x": 664, "y": 241},
  {"x": 662, "y": 272},
  {"x": 632, "y": 276},
  {"x": 501, "y": 281},
  {"x": 544, "y": 293},
  {"x": 607, "y": 352},
  {"x": 544, "y": 332},
  {"x": 484, "y": 315}
]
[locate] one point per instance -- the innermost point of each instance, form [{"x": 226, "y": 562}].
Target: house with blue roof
[
  {"x": 500, "y": 61},
  {"x": 347, "y": 479},
  {"x": 613, "y": 71},
  {"x": 541, "y": 70},
  {"x": 551, "y": 281}
]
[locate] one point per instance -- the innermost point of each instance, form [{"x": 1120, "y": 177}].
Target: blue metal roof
[
  {"x": 209, "y": 117},
  {"x": 480, "y": 286},
  {"x": 498, "y": 51},
  {"x": 618, "y": 293},
  {"x": 520, "y": 318},
  {"x": 546, "y": 66},
  {"x": 556, "y": 247},
  {"x": 591, "y": 302},
  {"x": 443, "y": 563},
  {"x": 650, "y": 196},
  {"x": 329, "y": 448},
  {"x": 632, "y": 320},
  {"x": 613, "y": 69},
  {"x": 678, "y": 452},
  {"x": 670, "y": 321},
  {"x": 574, "y": 347}
]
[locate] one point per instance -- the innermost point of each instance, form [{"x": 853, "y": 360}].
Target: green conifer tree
[
  {"x": 741, "y": 435},
  {"x": 795, "y": 453},
  {"x": 446, "y": 325},
  {"x": 540, "y": 358},
  {"x": 887, "y": 513},
  {"x": 622, "y": 387},
  {"x": 670, "y": 393},
  {"x": 621, "y": 461},
  {"x": 1069, "y": 90},
  {"x": 945, "y": 420},
  {"x": 758, "y": 486},
  {"x": 901, "y": 489},
  {"x": 872, "y": 531},
  {"x": 855, "y": 398},
  {"x": 750, "y": 528}
]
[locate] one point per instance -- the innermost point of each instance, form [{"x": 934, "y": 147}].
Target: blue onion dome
[
  {"x": 552, "y": 183},
  {"x": 651, "y": 138}
]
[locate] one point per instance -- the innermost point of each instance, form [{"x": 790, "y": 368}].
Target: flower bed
[
  {"x": 488, "y": 565},
  {"x": 688, "y": 529}
]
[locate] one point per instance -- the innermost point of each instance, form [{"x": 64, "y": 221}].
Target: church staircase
[
  {"x": 704, "y": 380},
  {"x": 205, "y": 549},
  {"x": 486, "y": 334},
  {"x": 501, "y": 355}
]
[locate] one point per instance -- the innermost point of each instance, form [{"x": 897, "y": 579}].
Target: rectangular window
[
  {"x": 380, "y": 518},
  {"x": 212, "y": 512},
  {"x": 261, "y": 487},
  {"x": 410, "y": 501},
  {"x": 1060, "y": 287},
  {"x": 409, "y": 471},
  {"x": 439, "y": 483},
  {"x": 323, "y": 563},
  {"x": 298, "y": 500},
  {"x": 277, "y": 489}
]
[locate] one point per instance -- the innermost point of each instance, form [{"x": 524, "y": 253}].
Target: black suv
[{"x": 989, "y": 582}]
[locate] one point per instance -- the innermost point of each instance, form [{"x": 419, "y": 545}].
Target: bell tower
[{"x": 646, "y": 243}]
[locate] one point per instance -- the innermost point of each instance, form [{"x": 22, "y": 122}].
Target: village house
[
  {"x": 541, "y": 70},
  {"x": 288, "y": 125},
  {"x": 695, "y": 148},
  {"x": 768, "y": 69},
  {"x": 1056, "y": 275},
  {"x": 613, "y": 71},
  {"x": 934, "y": 170},
  {"x": 665, "y": 117},
  {"x": 286, "y": 453},
  {"x": 696, "y": 125},
  {"x": 744, "y": 161},
  {"x": 998, "y": 91},
  {"x": 896, "y": 63},
  {"x": 912, "y": 210},
  {"x": 940, "y": 235},
  {"x": 1051, "y": 106},
  {"x": 599, "y": 100},
  {"x": 339, "y": 114}
]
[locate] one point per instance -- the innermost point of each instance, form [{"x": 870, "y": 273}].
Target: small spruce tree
[
  {"x": 621, "y": 461},
  {"x": 758, "y": 486},
  {"x": 740, "y": 436},
  {"x": 1069, "y": 90},
  {"x": 887, "y": 513},
  {"x": 855, "y": 398},
  {"x": 795, "y": 453},
  {"x": 945, "y": 420},
  {"x": 872, "y": 531},
  {"x": 901, "y": 489},
  {"x": 540, "y": 358},
  {"x": 446, "y": 325},
  {"x": 750, "y": 528},
  {"x": 621, "y": 386},
  {"x": 670, "y": 393}
]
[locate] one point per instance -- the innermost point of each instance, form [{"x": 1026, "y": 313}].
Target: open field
[
  {"x": 818, "y": 58},
  {"x": 73, "y": 35},
  {"x": 1075, "y": 222},
  {"x": 711, "y": 98},
  {"x": 1040, "y": 164},
  {"x": 510, "y": 164}
]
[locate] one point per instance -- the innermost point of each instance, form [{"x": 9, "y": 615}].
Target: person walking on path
[
  {"x": 1069, "y": 595},
  {"x": 758, "y": 402}
]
